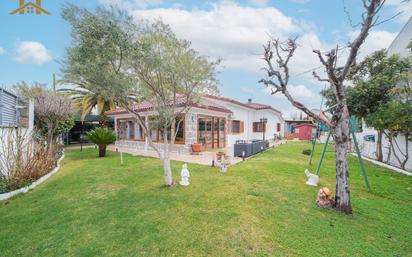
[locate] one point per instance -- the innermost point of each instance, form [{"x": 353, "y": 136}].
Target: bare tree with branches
[{"x": 277, "y": 55}]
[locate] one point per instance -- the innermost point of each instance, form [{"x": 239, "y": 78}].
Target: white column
[
  {"x": 31, "y": 115},
  {"x": 146, "y": 145}
]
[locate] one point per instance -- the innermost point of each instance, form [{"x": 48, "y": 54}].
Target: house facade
[{"x": 214, "y": 123}]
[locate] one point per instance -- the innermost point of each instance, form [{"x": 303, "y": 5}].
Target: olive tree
[{"x": 149, "y": 64}]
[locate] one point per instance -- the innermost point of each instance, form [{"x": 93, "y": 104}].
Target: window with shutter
[
  {"x": 237, "y": 126},
  {"x": 259, "y": 127}
]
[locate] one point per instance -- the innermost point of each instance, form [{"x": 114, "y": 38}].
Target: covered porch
[{"x": 204, "y": 127}]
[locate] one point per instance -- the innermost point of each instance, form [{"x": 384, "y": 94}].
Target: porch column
[
  {"x": 146, "y": 121},
  {"x": 190, "y": 129}
]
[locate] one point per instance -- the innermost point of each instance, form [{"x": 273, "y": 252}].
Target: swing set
[{"x": 352, "y": 131}]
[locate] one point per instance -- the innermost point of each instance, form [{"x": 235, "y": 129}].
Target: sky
[{"x": 32, "y": 47}]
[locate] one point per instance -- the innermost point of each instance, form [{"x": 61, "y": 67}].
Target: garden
[{"x": 260, "y": 207}]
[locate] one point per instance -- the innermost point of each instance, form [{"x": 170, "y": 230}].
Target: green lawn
[{"x": 261, "y": 207}]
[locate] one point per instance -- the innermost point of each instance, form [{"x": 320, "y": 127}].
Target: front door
[
  {"x": 211, "y": 132},
  {"x": 205, "y": 132}
]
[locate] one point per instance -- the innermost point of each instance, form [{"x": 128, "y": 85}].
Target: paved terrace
[{"x": 203, "y": 158}]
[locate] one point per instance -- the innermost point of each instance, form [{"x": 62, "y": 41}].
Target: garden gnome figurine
[
  {"x": 325, "y": 199},
  {"x": 313, "y": 179},
  {"x": 184, "y": 176}
]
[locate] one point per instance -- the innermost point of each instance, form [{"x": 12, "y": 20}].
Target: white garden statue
[
  {"x": 184, "y": 174},
  {"x": 313, "y": 179}
]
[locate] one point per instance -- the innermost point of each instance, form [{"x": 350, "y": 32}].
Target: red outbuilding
[{"x": 304, "y": 131}]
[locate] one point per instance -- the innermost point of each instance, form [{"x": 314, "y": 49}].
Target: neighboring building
[
  {"x": 16, "y": 121},
  {"x": 9, "y": 114},
  {"x": 290, "y": 128},
  {"x": 401, "y": 41},
  {"x": 305, "y": 131},
  {"x": 76, "y": 135},
  {"x": 215, "y": 123},
  {"x": 367, "y": 138}
]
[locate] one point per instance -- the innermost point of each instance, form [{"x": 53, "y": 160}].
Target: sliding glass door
[{"x": 211, "y": 132}]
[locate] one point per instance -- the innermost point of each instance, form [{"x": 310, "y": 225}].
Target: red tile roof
[
  {"x": 255, "y": 106},
  {"x": 181, "y": 101}
]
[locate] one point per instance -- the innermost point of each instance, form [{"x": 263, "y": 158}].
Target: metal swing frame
[{"x": 352, "y": 131}]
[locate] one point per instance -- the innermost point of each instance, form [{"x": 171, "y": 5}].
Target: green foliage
[
  {"x": 65, "y": 126},
  {"x": 261, "y": 207},
  {"x": 85, "y": 100},
  {"x": 306, "y": 151},
  {"x": 62, "y": 126},
  {"x": 3, "y": 185},
  {"x": 101, "y": 44},
  {"x": 373, "y": 79},
  {"x": 119, "y": 60},
  {"x": 101, "y": 136}
]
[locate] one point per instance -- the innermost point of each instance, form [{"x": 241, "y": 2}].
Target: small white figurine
[
  {"x": 313, "y": 179},
  {"x": 184, "y": 174},
  {"x": 223, "y": 167}
]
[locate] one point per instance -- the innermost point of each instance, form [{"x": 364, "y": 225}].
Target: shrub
[
  {"x": 101, "y": 137},
  {"x": 306, "y": 151},
  {"x": 24, "y": 159},
  {"x": 3, "y": 186}
]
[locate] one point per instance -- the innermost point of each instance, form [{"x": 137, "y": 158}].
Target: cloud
[
  {"x": 301, "y": 1},
  {"x": 2, "y": 51},
  {"x": 297, "y": 91},
  {"x": 132, "y": 4},
  {"x": 300, "y": 91},
  {"x": 377, "y": 40},
  {"x": 32, "y": 52},
  {"x": 402, "y": 6},
  {"x": 227, "y": 30},
  {"x": 259, "y": 3}
]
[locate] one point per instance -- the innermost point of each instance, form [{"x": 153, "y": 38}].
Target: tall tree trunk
[
  {"x": 403, "y": 164},
  {"x": 379, "y": 155},
  {"x": 341, "y": 138},
  {"x": 102, "y": 150},
  {"x": 103, "y": 121},
  {"x": 388, "y": 158},
  {"x": 167, "y": 168},
  {"x": 50, "y": 141}
]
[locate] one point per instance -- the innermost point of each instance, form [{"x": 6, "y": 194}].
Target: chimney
[
  {"x": 249, "y": 101},
  {"x": 21, "y": 5},
  {"x": 38, "y": 3}
]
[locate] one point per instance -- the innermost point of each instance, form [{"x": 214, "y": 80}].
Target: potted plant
[
  {"x": 196, "y": 148},
  {"x": 219, "y": 155},
  {"x": 101, "y": 137}
]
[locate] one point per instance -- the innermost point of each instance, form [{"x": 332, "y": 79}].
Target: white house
[
  {"x": 365, "y": 138},
  {"x": 215, "y": 123},
  {"x": 251, "y": 121}
]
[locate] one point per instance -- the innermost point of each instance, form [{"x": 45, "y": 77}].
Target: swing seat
[{"x": 313, "y": 179}]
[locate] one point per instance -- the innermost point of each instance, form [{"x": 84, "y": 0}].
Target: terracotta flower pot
[{"x": 196, "y": 148}]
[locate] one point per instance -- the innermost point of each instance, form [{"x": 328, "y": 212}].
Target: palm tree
[
  {"x": 86, "y": 100},
  {"x": 101, "y": 137}
]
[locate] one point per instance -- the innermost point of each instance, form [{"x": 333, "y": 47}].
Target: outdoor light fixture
[
  {"x": 263, "y": 121},
  {"x": 243, "y": 155}
]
